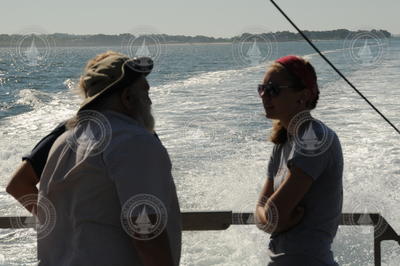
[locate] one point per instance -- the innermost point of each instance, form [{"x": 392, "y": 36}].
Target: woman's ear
[{"x": 304, "y": 96}]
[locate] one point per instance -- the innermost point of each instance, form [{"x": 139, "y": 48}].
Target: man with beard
[{"x": 106, "y": 193}]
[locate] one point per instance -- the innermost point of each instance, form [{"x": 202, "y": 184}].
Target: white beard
[
  {"x": 149, "y": 122},
  {"x": 147, "y": 119}
]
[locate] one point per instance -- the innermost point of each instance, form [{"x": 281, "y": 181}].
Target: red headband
[{"x": 295, "y": 65}]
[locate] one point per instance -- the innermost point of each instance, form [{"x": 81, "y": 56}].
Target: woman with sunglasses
[{"x": 301, "y": 202}]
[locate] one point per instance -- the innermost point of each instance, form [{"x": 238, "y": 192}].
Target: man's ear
[{"x": 126, "y": 98}]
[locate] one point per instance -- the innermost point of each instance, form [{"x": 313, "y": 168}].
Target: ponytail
[{"x": 279, "y": 133}]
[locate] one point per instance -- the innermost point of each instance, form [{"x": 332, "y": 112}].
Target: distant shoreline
[
  {"x": 187, "y": 43},
  {"x": 127, "y": 39}
]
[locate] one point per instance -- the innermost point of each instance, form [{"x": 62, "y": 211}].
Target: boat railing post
[
  {"x": 382, "y": 231},
  {"x": 377, "y": 251}
]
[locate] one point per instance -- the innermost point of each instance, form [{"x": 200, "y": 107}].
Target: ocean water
[{"x": 210, "y": 118}]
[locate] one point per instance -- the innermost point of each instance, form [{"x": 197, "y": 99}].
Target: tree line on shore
[{"x": 64, "y": 39}]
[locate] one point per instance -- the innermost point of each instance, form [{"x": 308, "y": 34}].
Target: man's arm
[
  {"x": 22, "y": 183},
  {"x": 155, "y": 252}
]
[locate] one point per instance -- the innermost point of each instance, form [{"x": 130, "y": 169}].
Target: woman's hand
[
  {"x": 266, "y": 217},
  {"x": 267, "y": 220},
  {"x": 260, "y": 218}
]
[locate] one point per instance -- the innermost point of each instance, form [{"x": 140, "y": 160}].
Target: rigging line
[{"x": 334, "y": 68}]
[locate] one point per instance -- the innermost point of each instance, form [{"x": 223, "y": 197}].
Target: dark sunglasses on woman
[{"x": 269, "y": 89}]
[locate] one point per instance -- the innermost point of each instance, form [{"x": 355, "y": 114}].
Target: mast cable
[{"x": 334, "y": 68}]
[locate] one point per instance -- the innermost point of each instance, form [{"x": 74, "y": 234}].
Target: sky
[{"x": 217, "y": 18}]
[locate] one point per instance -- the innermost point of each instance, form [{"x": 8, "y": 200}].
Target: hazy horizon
[
  {"x": 209, "y": 18},
  {"x": 189, "y": 35}
]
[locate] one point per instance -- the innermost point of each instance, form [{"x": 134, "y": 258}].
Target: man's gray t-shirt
[
  {"x": 314, "y": 234},
  {"x": 88, "y": 192}
]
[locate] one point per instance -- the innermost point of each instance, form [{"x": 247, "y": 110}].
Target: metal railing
[{"x": 222, "y": 220}]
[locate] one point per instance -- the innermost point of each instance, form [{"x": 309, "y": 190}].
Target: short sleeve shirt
[
  {"x": 38, "y": 155},
  {"x": 323, "y": 202},
  {"x": 90, "y": 192}
]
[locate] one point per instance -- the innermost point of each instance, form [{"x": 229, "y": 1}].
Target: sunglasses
[{"x": 269, "y": 89}]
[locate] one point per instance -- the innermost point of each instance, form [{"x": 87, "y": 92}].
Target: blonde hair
[
  {"x": 279, "y": 132},
  {"x": 83, "y": 88}
]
